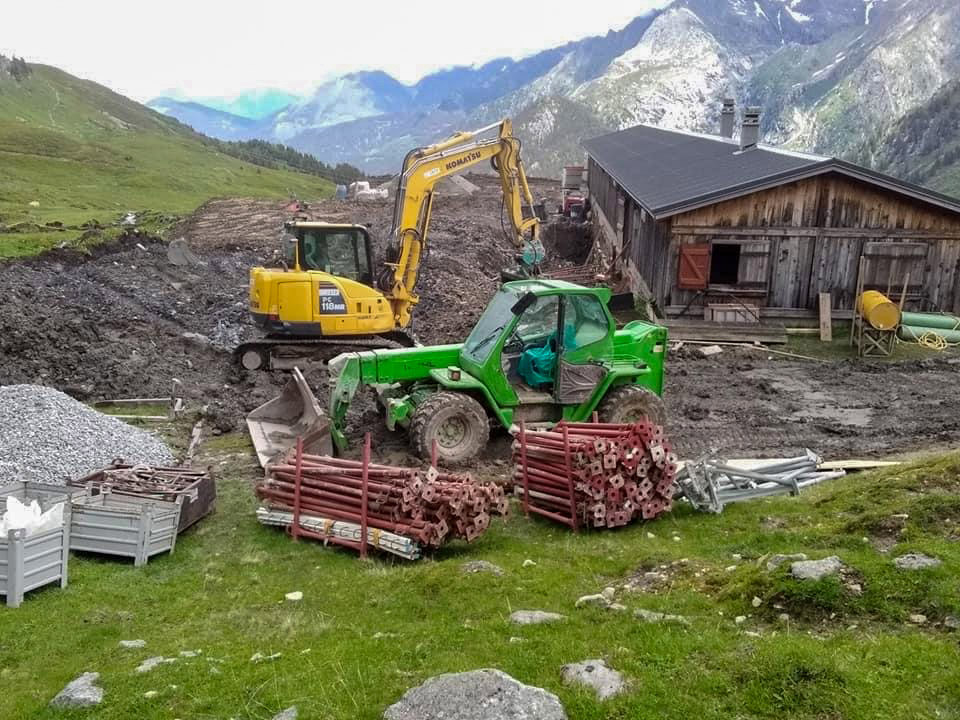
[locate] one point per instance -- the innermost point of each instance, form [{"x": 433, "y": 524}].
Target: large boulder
[{"x": 486, "y": 694}]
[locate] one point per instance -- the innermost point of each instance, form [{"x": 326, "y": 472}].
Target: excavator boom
[{"x": 422, "y": 169}]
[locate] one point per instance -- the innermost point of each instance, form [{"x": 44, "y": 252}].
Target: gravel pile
[{"x": 46, "y": 436}]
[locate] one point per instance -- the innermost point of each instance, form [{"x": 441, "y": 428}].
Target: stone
[
  {"x": 915, "y": 561},
  {"x": 777, "y": 560},
  {"x": 516, "y": 640},
  {"x": 132, "y": 644},
  {"x": 190, "y": 653},
  {"x": 481, "y": 566},
  {"x": 609, "y": 593},
  {"x": 535, "y": 617},
  {"x": 855, "y": 589},
  {"x": 291, "y": 713},
  {"x": 710, "y": 350},
  {"x": 152, "y": 662},
  {"x": 651, "y": 536},
  {"x": 295, "y": 596},
  {"x": 486, "y": 694},
  {"x": 605, "y": 681},
  {"x": 599, "y": 600},
  {"x": 259, "y": 657},
  {"x": 756, "y": 602},
  {"x": 752, "y": 633},
  {"x": 617, "y": 607},
  {"x": 196, "y": 338},
  {"x": 656, "y": 617},
  {"x": 918, "y": 619},
  {"x": 783, "y": 617},
  {"x": 529, "y": 563},
  {"x": 80, "y": 692},
  {"x": 816, "y": 569},
  {"x": 951, "y": 622},
  {"x": 740, "y": 619},
  {"x": 150, "y": 694}
]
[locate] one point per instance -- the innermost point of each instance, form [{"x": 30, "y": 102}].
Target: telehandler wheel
[
  {"x": 632, "y": 403},
  {"x": 457, "y": 422}
]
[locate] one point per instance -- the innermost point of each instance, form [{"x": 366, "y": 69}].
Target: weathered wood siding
[{"x": 797, "y": 240}]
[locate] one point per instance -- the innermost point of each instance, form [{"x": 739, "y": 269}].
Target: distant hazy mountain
[{"x": 831, "y": 76}]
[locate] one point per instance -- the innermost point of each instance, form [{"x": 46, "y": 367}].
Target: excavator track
[{"x": 285, "y": 353}]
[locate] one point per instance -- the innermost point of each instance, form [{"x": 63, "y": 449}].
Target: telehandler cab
[{"x": 543, "y": 351}]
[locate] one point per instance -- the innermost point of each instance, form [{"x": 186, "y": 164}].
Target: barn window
[{"x": 725, "y": 264}]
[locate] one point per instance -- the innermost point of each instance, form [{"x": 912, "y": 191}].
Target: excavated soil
[{"x": 124, "y": 321}]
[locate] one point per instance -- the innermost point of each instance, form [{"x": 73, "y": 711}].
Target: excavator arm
[{"x": 422, "y": 169}]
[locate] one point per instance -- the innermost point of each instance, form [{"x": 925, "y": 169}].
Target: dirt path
[{"x": 124, "y": 321}]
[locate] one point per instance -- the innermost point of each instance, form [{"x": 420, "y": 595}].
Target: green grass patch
[
  {"x": 367, "y": 631},
  {"x": 72, "y": 151}
]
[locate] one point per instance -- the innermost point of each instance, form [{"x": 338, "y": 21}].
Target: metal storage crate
[
  {"x": 196, "y": 487},
  {"x": 29, "y": 562},
  {"x": 124, "y": 525},
  {"x": 45, "y": 494}
]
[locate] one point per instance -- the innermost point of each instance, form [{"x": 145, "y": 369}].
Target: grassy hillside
[
  {"x": 843, "y": 647},
  {"x": 83, "y": 152}
]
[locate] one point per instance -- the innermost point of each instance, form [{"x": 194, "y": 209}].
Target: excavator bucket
[{"x": 295, "y": 413}]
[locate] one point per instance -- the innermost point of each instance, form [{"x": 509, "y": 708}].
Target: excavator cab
[{"x": 341, "y": 250}]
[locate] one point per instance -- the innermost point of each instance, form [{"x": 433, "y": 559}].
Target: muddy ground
[{"x": 125, "y": 322}]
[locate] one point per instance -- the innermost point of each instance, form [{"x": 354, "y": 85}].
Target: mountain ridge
[{"x": 829, "y": 74}]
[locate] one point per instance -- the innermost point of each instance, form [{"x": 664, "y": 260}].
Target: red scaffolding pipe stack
[
  {"x": 428, "y": 508},
  {"x": 595, "y": 474}
]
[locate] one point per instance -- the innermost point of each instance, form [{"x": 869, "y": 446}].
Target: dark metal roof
[{"x": 669, "y": 171}]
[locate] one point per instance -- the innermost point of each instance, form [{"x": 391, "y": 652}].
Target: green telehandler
[{"x": 543, "y": 351}]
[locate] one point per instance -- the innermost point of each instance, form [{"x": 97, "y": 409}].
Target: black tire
[
  {"x": 632, "y": 403},
  {"x": 457, "y": 422}
]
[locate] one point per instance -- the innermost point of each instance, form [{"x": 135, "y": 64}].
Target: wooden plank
[
  {"x": 699, "y": 331},
  {"x": 826, "y": 320}
]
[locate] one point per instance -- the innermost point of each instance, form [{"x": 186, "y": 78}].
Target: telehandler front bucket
[{"x": 275, "y": 426}]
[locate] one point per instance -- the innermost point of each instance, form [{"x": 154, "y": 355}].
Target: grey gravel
[
  {"x": 79, "y": 693},
  {"x": 605, "y": 681},
  {"x": 816, "y": 569},
  {"x": 47, "y": 436},
  {"x": 476, "y": 695},
  {"x": 915, "y": 561}
]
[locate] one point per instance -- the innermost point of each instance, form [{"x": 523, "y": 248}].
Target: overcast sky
[{"x": 219, "y": 48}]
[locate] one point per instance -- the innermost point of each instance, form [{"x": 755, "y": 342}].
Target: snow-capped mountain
[{"x": 831, "y": 76}]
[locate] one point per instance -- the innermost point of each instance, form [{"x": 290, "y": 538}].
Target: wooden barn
[{"x": 750, "y": 232}]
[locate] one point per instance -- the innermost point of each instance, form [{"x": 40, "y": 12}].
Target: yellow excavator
[{"x": 324, "y": 300}]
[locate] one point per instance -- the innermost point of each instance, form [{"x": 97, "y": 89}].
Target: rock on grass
[
  {"x": 605, "y": 681},
  {"x": 915, "y": 561},
  {"x": 80, "y": 693},
  {"x": 816, "y": 569},
  {"x": 535, "y": 617},
  {"x": 486, "y": 694}
]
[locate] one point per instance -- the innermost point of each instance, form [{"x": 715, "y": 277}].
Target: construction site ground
[
  {"x": 749, "y": 643},
  {"x": 124, "y": 321}
]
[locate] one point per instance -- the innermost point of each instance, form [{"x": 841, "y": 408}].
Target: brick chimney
[
  {"x": 727, "y": 118},
  {"x": 750, "y": 131}
]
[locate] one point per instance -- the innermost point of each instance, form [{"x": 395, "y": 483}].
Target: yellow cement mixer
[{"x": 878, "y": 310}]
